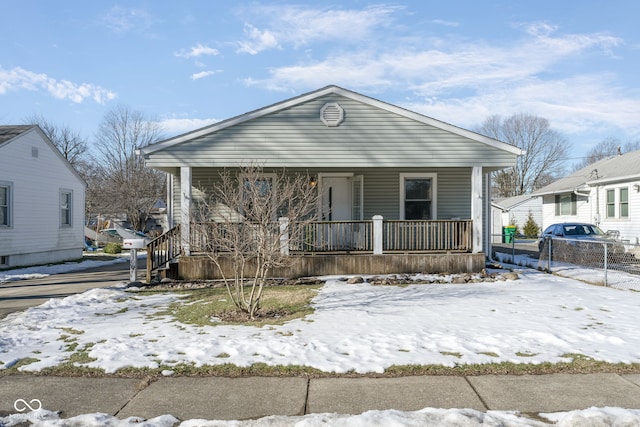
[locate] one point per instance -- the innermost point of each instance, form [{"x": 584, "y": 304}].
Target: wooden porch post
[
  {"x": 476, "y": 208},
  {"x": 185, "y": 209},
  {"x": 377, "y": 235}
]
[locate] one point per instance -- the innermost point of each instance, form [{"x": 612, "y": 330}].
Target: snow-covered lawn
[
  {"x": 360, "y": 327},
  {"x": 355, "y": 327}
]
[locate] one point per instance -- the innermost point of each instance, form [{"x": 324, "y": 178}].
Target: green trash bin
[{"x": 508, "y": 233}]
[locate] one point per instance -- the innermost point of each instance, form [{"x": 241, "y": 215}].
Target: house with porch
[
  {"x": 411, "y": 193},
  {"x": 605, "y": 193}
]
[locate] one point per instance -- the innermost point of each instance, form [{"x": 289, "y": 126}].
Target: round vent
[{"x": 331, "y": 114}]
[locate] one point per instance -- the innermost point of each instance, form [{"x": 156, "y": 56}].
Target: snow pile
[{"x": 428, "y": 417}]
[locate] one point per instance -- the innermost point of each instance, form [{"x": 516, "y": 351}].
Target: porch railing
[
  {"x": 349, "y": 236},
  {"x": 375, "y": 236},
  {"x": 334, "y": 236},
  {"x": 162, "y": 250},
  {"x": 440, "y": 235}
]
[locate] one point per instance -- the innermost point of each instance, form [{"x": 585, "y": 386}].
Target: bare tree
[
  {"x": 123, "y": 184},
  {"x": 609, "y": 147},
  {"x": 250, "y": 219},
  {"x": 72, "y": 146},
  {"x": 544, "y": 149}
]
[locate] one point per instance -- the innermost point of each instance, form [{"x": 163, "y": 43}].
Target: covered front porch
[{"x": 376, "y": 246}]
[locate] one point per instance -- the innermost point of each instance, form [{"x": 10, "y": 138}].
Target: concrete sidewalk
[{"x": 221, "y": 398}]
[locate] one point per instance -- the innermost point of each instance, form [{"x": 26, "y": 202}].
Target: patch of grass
[
  {"x": 576, "y": 364},
  {"x": 489, "y": 353},
  {"x": 521, "y": 354},
  {"x": 24, "y": 362},
  {"x": 72, "y": 331},
  {"x": 122, "y": 310},
  {"x": 211, "y": 306},
  {"x": 223, "y": 355},
  {"x": 451, "y": 353}
]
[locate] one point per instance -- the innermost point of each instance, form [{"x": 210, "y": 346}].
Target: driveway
[{"x": 21, "y": 294}]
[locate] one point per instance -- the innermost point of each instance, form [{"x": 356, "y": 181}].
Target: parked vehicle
[{"x": 581, "y": 232}]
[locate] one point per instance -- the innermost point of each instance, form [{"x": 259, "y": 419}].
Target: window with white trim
[
  {"x": 417, "y": 193},
  {"x": 617, "y": 200},
  {"x": 624, "y": 202},
  {"x": 6, "y": 203},
  {"x": 611, "y": 203},
  {"x": 66, "y": 207},
  {"x": 566, "y": 204}
]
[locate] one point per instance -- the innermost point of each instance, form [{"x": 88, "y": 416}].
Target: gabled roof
[
  {"x": 10, "y": 133},
  {"x": 7, "y": 133},
  {"x": 613, "y": 169},
  {"x": 332, "y": 89},
  {"x": 512, "y": 202}
]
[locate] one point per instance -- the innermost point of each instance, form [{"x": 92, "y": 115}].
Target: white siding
[
  {"x": 585, "y": 211},
  {"x": 36, "y": 235},
  {"x": 629, "y": 227}
]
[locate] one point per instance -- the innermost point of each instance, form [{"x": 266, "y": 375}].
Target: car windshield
[{"x": 581, "y": 230}]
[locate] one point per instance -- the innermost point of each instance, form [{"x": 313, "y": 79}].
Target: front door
[
  {"x": 336, "y": 198},
  {"x": 341, "y": 202}
]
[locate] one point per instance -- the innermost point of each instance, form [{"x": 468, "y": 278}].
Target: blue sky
[{"x": 187, "y": 64}]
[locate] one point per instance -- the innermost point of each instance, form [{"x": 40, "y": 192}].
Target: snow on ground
[
  {"x": 428, "y": 417},
  {"x": 359, "y": 327}
]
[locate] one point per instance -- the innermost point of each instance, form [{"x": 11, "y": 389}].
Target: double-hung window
[
  {"x": 6, "y": 204},
  {"x": 66, "y": 206},
  {"x": 618, "y": 203},
  {"x": 624, "y": 202},
  {"x": 417, "y": 192},
  {"x": 611, "y": 203},
  {"x": 566, "y": 204}
]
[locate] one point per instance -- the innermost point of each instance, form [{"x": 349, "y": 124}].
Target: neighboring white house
[
  {"x": 41, "y": 200},
  {"x": 605, "y": 193},
  {"x": 515, "y": 211}
]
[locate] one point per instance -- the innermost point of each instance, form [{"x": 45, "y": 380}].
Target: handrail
[{"x": 163, "y": 249}]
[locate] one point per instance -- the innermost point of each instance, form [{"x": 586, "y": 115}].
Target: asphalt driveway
[{"x": 21, "y": 294}]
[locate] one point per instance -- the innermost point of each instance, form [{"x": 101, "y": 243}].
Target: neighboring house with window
[
  {"x": 41, "y": 200},
  {"x": 426, "y": 180},
  {"x": 605, "y": 193}
]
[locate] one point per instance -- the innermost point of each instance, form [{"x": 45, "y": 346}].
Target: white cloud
[
  {"x": 20, "y": 79},
  {"x": 299, "y": 26},
  {"x": 203, "y": 74},
  {"x": 463, "y": 82},
  {"x": 197, "y": 51},
  {"x": 176, "y": 126}
]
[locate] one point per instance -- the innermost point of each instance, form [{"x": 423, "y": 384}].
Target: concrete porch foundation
[{"x": 201, "y": 267}]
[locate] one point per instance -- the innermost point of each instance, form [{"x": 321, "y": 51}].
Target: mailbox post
[{"x": 133, "y": 245}]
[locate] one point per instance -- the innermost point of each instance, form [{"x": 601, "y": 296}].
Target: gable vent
[{"x": 331, "y": 114}]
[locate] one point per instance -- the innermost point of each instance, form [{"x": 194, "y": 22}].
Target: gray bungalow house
[{"x": 411, "y": 193}]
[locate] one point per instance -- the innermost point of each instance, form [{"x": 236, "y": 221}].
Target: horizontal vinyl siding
[
  {"x": 37, "y": 182},
  {"x": 381, "y": 189},
  {"x": 368, "y": 137}
]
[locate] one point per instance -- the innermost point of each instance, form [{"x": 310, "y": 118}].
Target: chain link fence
[
  {"x": 615, "y": 264},
  {"x": 610, "y": 263}
]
